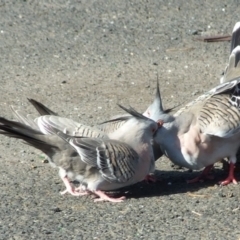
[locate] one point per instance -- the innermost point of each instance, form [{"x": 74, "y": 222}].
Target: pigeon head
[{"x": 155, "y": 111}]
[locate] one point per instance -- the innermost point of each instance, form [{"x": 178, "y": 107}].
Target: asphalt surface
[{"x": 80, "y": 58}]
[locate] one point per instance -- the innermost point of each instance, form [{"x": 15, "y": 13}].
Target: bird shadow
[{"x": 170, "y": 183}]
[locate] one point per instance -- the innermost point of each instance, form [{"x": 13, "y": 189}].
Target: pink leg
[
  {"x": 104, "y": 197},
  {"x": 230, "y": 177},
  {"x": 70, "y": 189},
  {"x": 150, "y": 178},
  {"x": 81, "y": 188},
  {"x": 203, "y": 175}
]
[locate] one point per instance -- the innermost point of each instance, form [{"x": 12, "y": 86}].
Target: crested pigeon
[
  {"x": 70, "y": 127},
  {"x": 206, "y": 130},
  {"x": 107, "y": 127},
  {"x": 175, "y": 123},
  {"x": 66, "y": 125},
  {"x": 98, "y": 164}
]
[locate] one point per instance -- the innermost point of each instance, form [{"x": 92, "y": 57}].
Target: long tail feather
[
  {"x": 42, "y": 109},
  {"x": 28, "y": 135}
]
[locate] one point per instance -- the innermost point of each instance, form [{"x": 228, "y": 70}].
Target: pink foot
[
  {"x": 150, "y": 178},
  {"x": 204, "y": 175},
  {"x": 72, "y": 190},
  {"x": 104, "y": 197},
  {"x": 230, "y": 178}
]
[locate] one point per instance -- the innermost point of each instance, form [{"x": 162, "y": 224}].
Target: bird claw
[
  {"x": 79, "y": 191},
  {"x": 74, "y": 192},
  {"x": 200, "y": 178},
  {"x": 230, "y": 178},
  {"x": 64, "y": 192},
  {"x": 150, "y": 179},
  {"x": 104, "y": 197},
  {"x": 204, "y": 175},
  {"x": 116, "y": 200},
  {"x": 227, "y": 181}
]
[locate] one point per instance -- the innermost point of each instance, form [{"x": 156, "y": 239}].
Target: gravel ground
[{"x": 80, "y": 58}]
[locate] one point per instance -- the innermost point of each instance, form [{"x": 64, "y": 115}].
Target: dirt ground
[{"x": 82, "y": 57}]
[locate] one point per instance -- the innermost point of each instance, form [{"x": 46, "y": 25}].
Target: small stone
[
  {"x": 45, "y": 161},
  {"x": 56, "y": 209},
  {"x": 230, "y": 195},
  {"x": 195, "y": 32},
  {"x": 195, "y": 93}
]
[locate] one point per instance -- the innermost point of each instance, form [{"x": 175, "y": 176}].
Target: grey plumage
[
  {"x": 58, "y": 151},
  {"x": 41, "y": 108},
  {"x": 109, "y": 127},
  {"x": 232, "y": 69},
  {"x": 235, "y": 37},
  {"x": 206, "y": 130},
  {"x": 155, "y": 111},
  {"x": 65, "y": 125},
  {"x": 113, "y": 160},
  {"x": 98, "y": 164},
  {"x": 116, "y": 122}
]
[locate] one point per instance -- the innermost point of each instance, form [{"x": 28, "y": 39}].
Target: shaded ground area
[{"x": 82, "y": 57}]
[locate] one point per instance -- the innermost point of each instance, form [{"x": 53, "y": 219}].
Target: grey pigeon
[
  {"x": 206, "y": 130},
  {"x": 98, "y": 164},
  {"x": 72, "y": 128},
  {"x": 105, "y": 128},
  {"x": 65, "y": 125}
]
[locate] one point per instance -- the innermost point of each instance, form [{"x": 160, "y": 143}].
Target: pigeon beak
[{"x": 160, "y": 123}]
